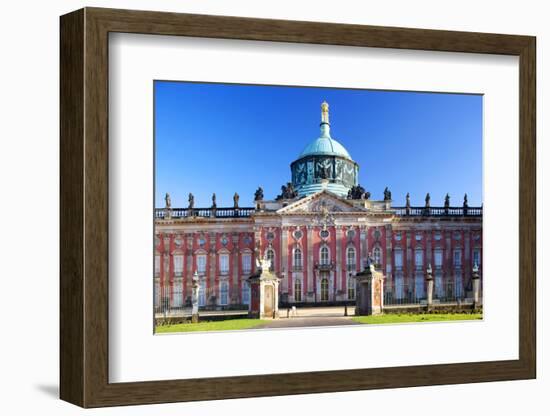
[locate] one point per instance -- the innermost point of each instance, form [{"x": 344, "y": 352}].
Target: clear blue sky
[{"x": 228, "y": 138}]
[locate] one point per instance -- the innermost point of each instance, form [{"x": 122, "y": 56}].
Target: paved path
[
  {"x": 323, "y": 311},
  {"x": 309, "y": 321}
]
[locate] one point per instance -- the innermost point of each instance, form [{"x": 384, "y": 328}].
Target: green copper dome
[{"x": 325, "y": 146}]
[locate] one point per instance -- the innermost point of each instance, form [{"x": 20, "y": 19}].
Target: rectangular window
[
  {"x": 201, "y": 263},
  {"x": 297, "y": 259},
  {"x": 458, "y": 258},
  {"x": 297, "y": 290},
  {"x": 419, "y": 286},
  {"x": 399, "y": 287},
  {"x": 439, "y": 292},
  {"x": 224, "y": 289},
  {"x": 398, "y": 260},
  {"x": 477, "y": 258},
  {"x": 177, "y": 295},
  {"x": 419, "y": 259},
  {"x": 157, "y": 264},
  {"x": 224, "y": 263},
  {"x": 246, "y": 293},
  {"x": 351, "y": 289},
  {"x": 202, "y": 293},
  {"x": 324, "y": 256},
  {"x": 247, "y": 262},
  {"x": 458, "y": 284},
  {"x": 438, "y": 258},
  {"x": 178, "y": 264},
  {"x": 157, "y": 294},
  {"x": 350, "y": 260}
]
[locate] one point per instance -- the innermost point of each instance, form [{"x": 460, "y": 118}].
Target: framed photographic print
[{"x": 255, "y": 207}]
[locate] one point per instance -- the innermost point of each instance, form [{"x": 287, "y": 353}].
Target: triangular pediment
[{"x": 320, "y": 202}]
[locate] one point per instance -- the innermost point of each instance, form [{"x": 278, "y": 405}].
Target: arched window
[
  {"x": 351, "y": 288},
  {"x": 377, "y": 256},
  {"x": 297, "y": 259},
  {"x": 270, "y": 254},
  {"x": 224, "y": 289},
  {"x": 324, "y": 255},
  {"x": 297, "y": 290},
  {"x": 350, "y": 258},
  {"x": 324, "y": 289}
]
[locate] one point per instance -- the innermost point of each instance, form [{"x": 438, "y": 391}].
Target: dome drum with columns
[{"x": 324, "y": 164}]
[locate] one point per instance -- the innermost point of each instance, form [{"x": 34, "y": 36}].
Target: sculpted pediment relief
[{"x": 320, "y": 203}]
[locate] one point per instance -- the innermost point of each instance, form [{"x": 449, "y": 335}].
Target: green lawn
[
  {"x": 231, "y": 324},
  {"x": 428, "y": 317}
]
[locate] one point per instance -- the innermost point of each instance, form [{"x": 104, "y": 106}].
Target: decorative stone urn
[
  {"x": 369, "y": 291},
  {"x": 264, "y": 292}
]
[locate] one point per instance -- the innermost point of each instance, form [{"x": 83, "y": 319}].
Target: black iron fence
[
  {"x": 396, "y": 293},
  {"x": 172, "y": 301}
]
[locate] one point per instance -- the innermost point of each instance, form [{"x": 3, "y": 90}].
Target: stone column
[
  {"x": 389, "y": 256},
  {"x": 338, "y": 263},
  {"x": 310, "y": 282},
  {"x": 409, "y": 277},
  {"x": 189, "y": 268},
  {"x": 284, "y": 259},
  {"x": 236, "y": 278},
  {"x": 449, "y": 268},
  {"x": 369, "y": 292},
  {"x": 429, "y": 286},
  {"x": 212, "y": 275},
  {"x": 466, "y": 265},
  {"x": 364, "y": 249}
]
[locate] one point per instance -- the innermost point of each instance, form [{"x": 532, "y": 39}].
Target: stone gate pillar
[
  {"x": 264, "y": 292},
  {"x": 195, "y": 298},
  {"x": 369, "y": 292},
  {"x": 476, "y": 286}
]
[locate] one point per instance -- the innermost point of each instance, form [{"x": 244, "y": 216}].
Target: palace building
[{"x": 318, "y": 234}]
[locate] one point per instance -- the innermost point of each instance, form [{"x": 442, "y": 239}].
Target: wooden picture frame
[{"x": 84, "y": 207}]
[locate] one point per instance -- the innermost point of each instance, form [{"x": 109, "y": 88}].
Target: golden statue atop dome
[{"x": 324, "y": 112}]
